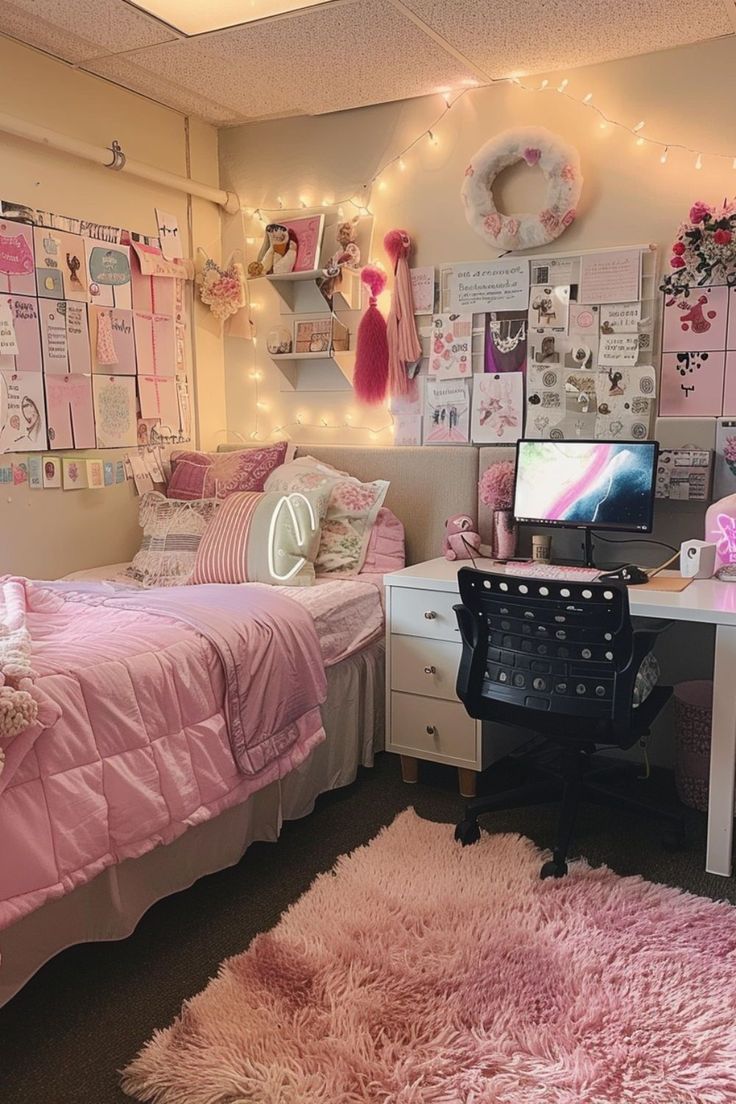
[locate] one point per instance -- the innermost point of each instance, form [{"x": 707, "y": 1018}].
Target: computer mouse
[{"x": 629, "y": 574}]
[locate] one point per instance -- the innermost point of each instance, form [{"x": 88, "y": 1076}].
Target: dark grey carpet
[{"x": 65, "y": 1036}]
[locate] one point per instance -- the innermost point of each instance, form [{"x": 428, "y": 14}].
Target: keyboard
[{"x": 531, "y": 570}]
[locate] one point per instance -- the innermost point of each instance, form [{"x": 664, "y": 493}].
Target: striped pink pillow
[
  {"x": 264, "y": 537},
  {"x": 222, "y": 555}
]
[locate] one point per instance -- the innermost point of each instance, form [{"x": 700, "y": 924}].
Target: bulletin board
[
  {"x": 94, "y": 338},
  {"x": 557, "y": 347}
]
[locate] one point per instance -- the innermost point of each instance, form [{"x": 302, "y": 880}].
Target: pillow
[
  {"x": 386, "y": 551},
  {"x": 171, "y": 535},
  {"x": 262, "y": 538},
  {"x": 216, "y": 475},
  {"x": 351, "y": 511}
]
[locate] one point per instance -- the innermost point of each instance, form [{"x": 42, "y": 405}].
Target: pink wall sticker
[
  {"x": 696, "y": 323},
  {"x": 692, "y": 384}
]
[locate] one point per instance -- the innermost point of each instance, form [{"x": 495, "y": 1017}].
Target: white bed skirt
[{"x": 110, "y": 906}]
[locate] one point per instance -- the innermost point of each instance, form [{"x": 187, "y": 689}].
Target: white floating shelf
[
  {"x": 290, "y": 365},
  {"x": 300, "y": 292}
]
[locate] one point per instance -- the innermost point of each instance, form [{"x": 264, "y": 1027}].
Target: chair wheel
[
  {"x": 555, "y": 868},
  {"x": 674, "y": 839},
  {"x": 467, "y": 832}
]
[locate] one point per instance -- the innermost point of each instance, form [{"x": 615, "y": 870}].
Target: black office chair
[{"x": 561, "y": 659}]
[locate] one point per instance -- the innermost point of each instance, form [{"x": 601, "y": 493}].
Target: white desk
[{"x": 705, "y": 601}]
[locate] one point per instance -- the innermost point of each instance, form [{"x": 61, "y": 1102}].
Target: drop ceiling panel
[
  {"x": 333, "y": 58},
  {"x": 521, "y": 36},
  {"x": 77, "y": 30}
]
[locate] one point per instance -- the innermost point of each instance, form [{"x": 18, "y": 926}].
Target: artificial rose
[
  {"x": 531, "y": 156},
  {"x": 722, "y": 237},
  {"x": 470, "y": 171},
  {"x": 699, "y": 211},
  {"x": 677, "y": 262},
  {"x": 567, "y": 173},
  {"x": 678, "y": 248},
  {"x": 492, "y": 223},
  {"x": 549, "y": 220},
  {"x": 512, "y": 227},
  {"x": 569, "y": 217}
]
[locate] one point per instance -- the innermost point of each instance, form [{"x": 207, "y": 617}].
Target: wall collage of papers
[
  {"x": 560, "y": 348},
  {"x": 93, "y": 325}
]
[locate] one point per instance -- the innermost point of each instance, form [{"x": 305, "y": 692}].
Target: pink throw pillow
[
  {"x": 386, "y": 551},
  {"x": 196, "y": 475}
]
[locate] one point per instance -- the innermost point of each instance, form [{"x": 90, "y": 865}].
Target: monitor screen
[{"x": 599, "y": 484}]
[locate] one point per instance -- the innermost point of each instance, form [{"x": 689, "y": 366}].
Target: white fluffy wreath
[{"x": 559, "y": 163}]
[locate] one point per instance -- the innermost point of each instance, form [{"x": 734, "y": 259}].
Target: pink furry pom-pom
[
  {"x": 397, "y": 243},
  {"x": 374, "y": 279}
]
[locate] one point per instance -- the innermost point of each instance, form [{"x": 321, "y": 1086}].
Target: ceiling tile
[
  {"x": 337, "y": 57},
  {"x": 77, "y": 30},
  {"x": 541, "y": 35}
]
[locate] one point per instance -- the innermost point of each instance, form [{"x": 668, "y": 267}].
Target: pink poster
[
  {"x": 692, "y": 384},
  {"x": 308, "y": 233},
  {"x": 155, "y": 344},
  {"x": 112, "y": 341},
  {"x": 17, "y": 266},
  {"x": 696, "y": 323},
  {"x": 159, "y": 400},
  {"x": 70, "y": 413},
  {"x": 24, "y": 310}
]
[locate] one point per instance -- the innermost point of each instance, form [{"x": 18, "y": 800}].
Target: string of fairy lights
[{"x": 360, "y": 200}]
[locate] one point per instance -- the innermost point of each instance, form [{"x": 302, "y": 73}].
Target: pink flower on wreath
[
  {"x": 549, "y": 220},
  {"x": 492, "y": 223},
  {"x": 678, "y": 248},
  {"x": 470, "y": 171},
  {"x": 569, "y": 217},
  {"x": 567, "y": 173},
  {"x": 699, "y": 211},
  {"x": 532, "y": 155},
  {"x": 722, "y": 237},
  {"x": 677, "y": 262},
  {"x": 512, "y": 227}
]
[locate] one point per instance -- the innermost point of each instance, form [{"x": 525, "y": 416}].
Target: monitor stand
[{"x": 588, "y": 548}]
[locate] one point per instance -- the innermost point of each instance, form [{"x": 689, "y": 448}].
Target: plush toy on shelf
[
  {"x": 347, "y": 255},
  {"x": 461, "y": 540},
  {"x": 278, "y": 254}
]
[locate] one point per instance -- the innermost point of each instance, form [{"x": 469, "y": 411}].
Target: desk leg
[{"x": 722, "y": 755}]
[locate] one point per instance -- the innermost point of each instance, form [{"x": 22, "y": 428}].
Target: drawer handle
[
  {"x": 430, "y": 615},
  {"x": 430, "y": 670},
  {"x": 431, "y": 730}
]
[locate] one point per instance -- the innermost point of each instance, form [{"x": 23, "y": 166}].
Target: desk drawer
[
  {"x": 432, "y": 729},
  {"x": 421, "y": 666},
  {"x": 427, "y": 613}
]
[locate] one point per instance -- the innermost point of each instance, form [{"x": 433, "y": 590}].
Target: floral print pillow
[{"x": 351, "y": 511}]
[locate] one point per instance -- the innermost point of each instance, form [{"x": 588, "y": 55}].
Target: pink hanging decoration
[
  {"x": 404, "y": 346},
  {"x": 370, "y": 379},
  {"x": 106, "y": 353}
]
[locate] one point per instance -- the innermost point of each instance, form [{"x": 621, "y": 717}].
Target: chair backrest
[{"x": 551, "y": 655}]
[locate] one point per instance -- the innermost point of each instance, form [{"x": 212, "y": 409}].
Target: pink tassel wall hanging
[
  {"x": 404, "y": 346},
  {"x": 370, "y": 380}
]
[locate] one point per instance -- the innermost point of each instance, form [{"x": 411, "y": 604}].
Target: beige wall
[
  {"x": 683, "y": 95},
  {"x": 47, "y": 533}
]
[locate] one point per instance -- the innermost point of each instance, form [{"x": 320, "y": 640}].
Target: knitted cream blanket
[{"x": 18, "y": 707}]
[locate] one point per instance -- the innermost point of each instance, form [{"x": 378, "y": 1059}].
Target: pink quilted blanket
[{"x": 156, "y": 712}]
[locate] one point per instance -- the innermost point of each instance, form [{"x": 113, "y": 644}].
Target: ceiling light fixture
[{"x": 191, "y": 17}]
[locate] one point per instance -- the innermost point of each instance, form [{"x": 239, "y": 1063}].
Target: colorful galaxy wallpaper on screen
[{"x": 585, "y": 483}]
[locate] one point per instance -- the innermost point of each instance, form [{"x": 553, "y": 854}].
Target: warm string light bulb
[
  {"x": 587, "y": 97},
  {"x": 665, "y": 155},
  {"x": 382, "y": 185},
  {"x": 543, "y": 85},
  {"x": 432, "y": 138},
  {"x": 563, "y": 85},
  {"x": 639, "y": 126},
  {"x": 699, "y": 161},
  {"x": 402, "y": 165}
]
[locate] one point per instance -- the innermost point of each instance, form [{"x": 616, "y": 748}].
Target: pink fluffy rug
[{"x": 419, "y": 972}]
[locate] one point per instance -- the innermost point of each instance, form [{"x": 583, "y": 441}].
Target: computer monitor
[{"x": 586, "y": 484}]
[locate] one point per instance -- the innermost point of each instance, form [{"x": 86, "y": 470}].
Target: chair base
[{"x": 573, "y": 783}]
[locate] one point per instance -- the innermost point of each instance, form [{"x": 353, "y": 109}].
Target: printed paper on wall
[
  {"x": 450, "y": 346},
  {"x": 22, "y": 412},
  {"x": 112, "y": 341},
  {"x": 70, "y": 411},
  {"x": 613, "y": 277},
  {"x": 25, "y": 315},
  {"x": 446, "y": 412},
  {"x": 115, "y": 413},
  {"x": 155, "y": 344},
  {"x": 17, "y": 263},
  {"x": 692, "y": 384},
  {"x": 498, "y": 408},
  {"x": 696, "y": 323},
  {"x": 108, "y": 268}
]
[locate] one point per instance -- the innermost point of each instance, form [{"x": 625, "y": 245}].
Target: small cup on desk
[{"x": 541, "y": 548}]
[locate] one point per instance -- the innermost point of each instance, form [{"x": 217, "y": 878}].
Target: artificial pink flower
[
  {"x": 470, "y": 171},
  {"x": 699, "y": 211},
  {"x": 722, "y": 237},
  {"x": 492, "y": 223},
  {"x": 531, "y": 155},
  {"x": 549, "y": 221},
  {"x": 678, "y": 248},
  {"x": 567, "y": 173},
  {"x": 512, "y": 227},
  {"x": 569, "y": 217},
  {"x": 677, "y": 262}
]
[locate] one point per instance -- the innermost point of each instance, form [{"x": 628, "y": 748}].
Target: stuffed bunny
[{"x": 461, "y": 538}]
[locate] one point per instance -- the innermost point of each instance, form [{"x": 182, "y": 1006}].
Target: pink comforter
[{"x": 140, "y": 709}]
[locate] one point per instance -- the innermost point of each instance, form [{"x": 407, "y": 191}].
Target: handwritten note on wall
[
  {"x": 613, "y": 277},
  {"x": 496, "y": 285}
]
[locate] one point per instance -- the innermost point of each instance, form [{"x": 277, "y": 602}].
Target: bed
[{"x": 106, "y": 902}]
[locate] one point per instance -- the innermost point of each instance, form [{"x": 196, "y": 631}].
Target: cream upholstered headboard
[{"x": 427, "y": 485}]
